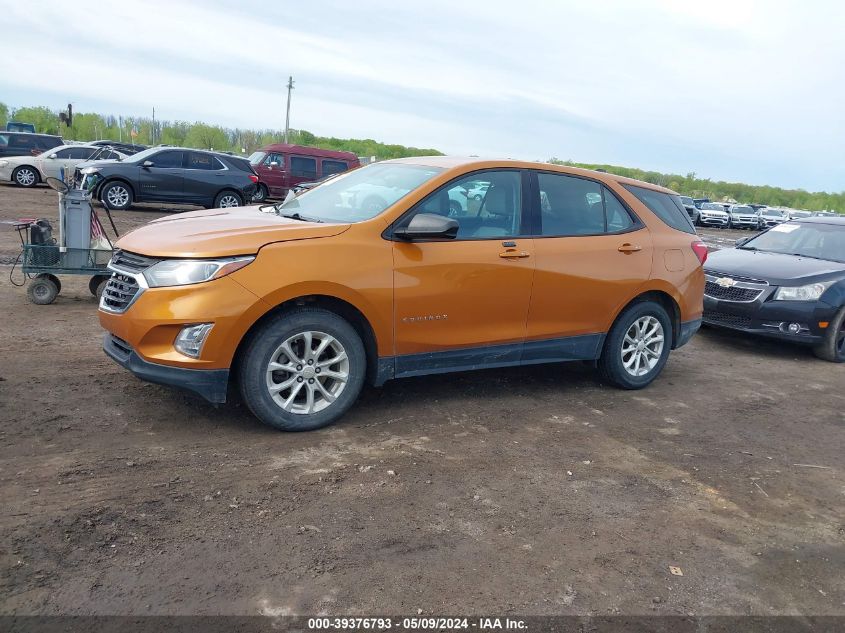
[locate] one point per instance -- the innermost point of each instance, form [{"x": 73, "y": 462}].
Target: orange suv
[{"x": 404, "y": 268}]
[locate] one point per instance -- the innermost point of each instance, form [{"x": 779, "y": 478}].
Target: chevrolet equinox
[{"x": 402, "y": 269}]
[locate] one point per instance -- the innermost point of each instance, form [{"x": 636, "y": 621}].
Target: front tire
[
  {"x": 637, "y": 347},
  {"x": 832, "y": 348},
  {"x": 227, "y": 199},
  {"x": 117, "y": 196},
  {"x": 43, "y": 290},
  {"x": 302, "y": 370},
  {"x": 26, "y": 176}
]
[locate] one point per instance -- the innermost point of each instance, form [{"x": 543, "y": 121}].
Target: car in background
[
  {"x": 825, "y": 214},
  {"x": 170, "y": 174},
  {"x": 797, "y": 215},
  {"x": 18, "y": 126},
  {"x": 301, "y": 306},
  {"x": 742, "y": 216},
  {"x": 768, "y": 217},
  {"x": 787, "y": 283},
  {"x": 713, "y": 214},
  {"x": 27, "y": 143},
  {"x": 281, "y": 167},
  {"x": 58, "y": 162},
  {"x": 699, "y": 201},
  {"x": 692, "y": 210},
  {"x": 124, "y": 148}
]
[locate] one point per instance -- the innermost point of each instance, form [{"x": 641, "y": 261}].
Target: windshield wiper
[
  {"x": 809, "y": 256},
  {"x": 298, "y": 216}
]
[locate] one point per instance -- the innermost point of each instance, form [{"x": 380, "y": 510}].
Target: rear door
[
  {"x": 592, "y": 254},
  {"x": 205, "y": 176},
  {"x": 333, "y": 166},
  {"x": 301, "y": 169},
  {"x": 164, "y": 180}
]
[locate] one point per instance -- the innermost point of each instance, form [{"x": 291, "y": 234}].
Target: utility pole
[
  {"x": 287, "y": 116},
  {"x": 153, "y": 129}
]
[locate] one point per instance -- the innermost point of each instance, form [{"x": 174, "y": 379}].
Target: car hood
[
  {"x": 102, "y": 163},
  {"x": 777, "y": 269},
  {"x": 220, "y": 233}
]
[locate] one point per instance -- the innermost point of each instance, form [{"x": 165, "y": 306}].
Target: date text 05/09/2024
[{"x": 416, "y": 623}]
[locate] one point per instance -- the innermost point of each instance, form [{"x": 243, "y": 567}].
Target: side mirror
[
  {"x": 147, "y": 163},
  {"x": 428, "y": 226},
  {"x": 53, "y": 156},
  {"x": 741, "y": 241},
  {"x": 274, "y": 164},
  {"x": 58, "y": 185}
]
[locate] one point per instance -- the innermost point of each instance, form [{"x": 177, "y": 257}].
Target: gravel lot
[{"x": 533, "y": 491}]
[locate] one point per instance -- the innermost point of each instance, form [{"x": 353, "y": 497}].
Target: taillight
[
  {"x": 700, "y": 250},
  {"x": 253, "y": 178}
]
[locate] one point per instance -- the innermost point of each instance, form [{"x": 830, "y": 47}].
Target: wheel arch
[
  {"x": 109, "y": 180},
  {"x": 38, "y": 174},
  {"x": 341, "y": 307},
  {"x": 669, "y": 303}
]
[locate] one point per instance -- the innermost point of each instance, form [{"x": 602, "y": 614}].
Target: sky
[{"x": 737, "y": 90}]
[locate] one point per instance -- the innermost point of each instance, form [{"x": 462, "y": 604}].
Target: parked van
[
  {"x": 280, "y": 167},
  {"x": 396, "y": 269}
]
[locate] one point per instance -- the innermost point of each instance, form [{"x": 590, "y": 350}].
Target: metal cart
[{"x": 44, "y": 259}]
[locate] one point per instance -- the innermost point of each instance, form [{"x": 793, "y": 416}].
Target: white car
[
  {"x": 713, "y": 214},
  {"x": 28, "y": 171}
]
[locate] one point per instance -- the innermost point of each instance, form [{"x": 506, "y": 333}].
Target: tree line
[
  {"x": 88, "y": 126},
  {"x": 719, "y": 191}
]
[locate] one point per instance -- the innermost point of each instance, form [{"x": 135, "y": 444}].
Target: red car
[{"x": 281, "y": 167}]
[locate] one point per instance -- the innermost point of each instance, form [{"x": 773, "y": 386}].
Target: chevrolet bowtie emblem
[{"x": 726, "y": 282}]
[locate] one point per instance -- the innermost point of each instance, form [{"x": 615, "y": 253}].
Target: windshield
[
  {"x": 712, "y": 206},
  {"x": 821, "y": 241},
  {"x": 742, "y": 210},
  {"x": 359, "y": 195},
  {"x": 141, "y": 156},
  {"x": 686, "y": 200},
  {"x": 257, "y": 157},
  {"x": 773, "y": 212}
]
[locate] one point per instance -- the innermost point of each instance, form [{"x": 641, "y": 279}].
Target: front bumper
[
  {"x": 6, "y": 174},
  {"x": 713, "y": 221},
  {"x": 770, "y": 318},
  {"x": 745, "y": 222},
  {"x": 211, "y": 384}
]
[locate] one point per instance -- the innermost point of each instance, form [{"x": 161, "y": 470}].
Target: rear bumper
[
  {"x": 210, "y": 384},
  {"x": 687, "y": 331}
]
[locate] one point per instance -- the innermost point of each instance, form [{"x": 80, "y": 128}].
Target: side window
[
  {"x": 275, "y": 158},
  {"x": 334, "y": 167},
  {"x": 47, "y": 142},
  {"x": 167, "y": 160},
  {"x": 62, "y": 153},
  {"x": 667, "y": 208},
  {"x": 570, "y": 205},
  {"x": 301, "y": 166},
  {"x": 83, "y": 153},
  {"x": 19, "y": 140},
  {"x": 197, "y": 160},
  {"x": 618, "y": 218},
  {"x": 486, "y": 204}
]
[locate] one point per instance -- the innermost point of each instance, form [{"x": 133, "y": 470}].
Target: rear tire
[
  {"x": 832, "y": 348},
  {"x": 261, "y": 194},
  {"x": 97, "y": 284},
  {"x": 227, "y": 199},
  {"x": 637, "y": 346},
  {"x": 302, "y": 370},
  {"x": 42, "y": 290},
  {"x": 26, "y": 176}
]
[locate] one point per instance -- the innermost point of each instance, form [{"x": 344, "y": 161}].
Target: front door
[
  {"x": 272, "y": 174},
  {"x": 591, "y": 257},
  {"x": 164, "y": 179},
  {"x": 463, "y": 302}
]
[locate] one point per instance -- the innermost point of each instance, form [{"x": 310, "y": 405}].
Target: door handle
[
  {"x": 629, "y": 248},
  {"x": 514, "y": 254}
]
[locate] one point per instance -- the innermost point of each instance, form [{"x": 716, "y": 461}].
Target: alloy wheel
[
  {"x": 307, "y": 372},
  {"x": 642, "y": 346},
  {"x": 229, "y": 201},
  {"x": 117, "y": 197},
  {"x": 25, "y": 177}
]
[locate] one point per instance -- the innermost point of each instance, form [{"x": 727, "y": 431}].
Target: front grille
[
  {"x": 716, "y": 291},
  {"x": 745, "y": 280},
  {"x": 119, "y": 292},
  {"x": 132, "y": 262},
  {"x": 730, "y": 320}
]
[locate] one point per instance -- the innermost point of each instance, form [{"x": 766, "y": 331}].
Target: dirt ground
[{"x": 531, "y": 490}]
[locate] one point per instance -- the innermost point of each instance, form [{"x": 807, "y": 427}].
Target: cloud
[{"x": 741, "y": 90}]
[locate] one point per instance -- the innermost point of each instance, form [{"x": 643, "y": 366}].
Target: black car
[
  {"x": 170, "y": 174},
  {"x": 27, "y": 143},
  {"x": 692, "y": 210},
  {"x": 787, "y": 283}
]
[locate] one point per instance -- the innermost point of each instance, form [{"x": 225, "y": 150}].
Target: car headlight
[
  {"x": 90, "y": 170},
  {"x": 810, "y": 292},
  {"x": 3, "y": 163},
  {"x": 182, "y": 272}
]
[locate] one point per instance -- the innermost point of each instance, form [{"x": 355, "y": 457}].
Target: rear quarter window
[{"x": 666, "y": 207}]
